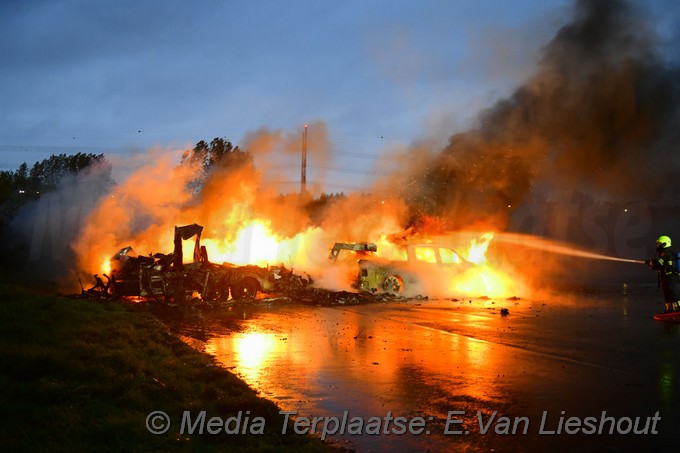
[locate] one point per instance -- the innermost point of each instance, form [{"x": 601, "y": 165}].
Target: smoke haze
[{"x": 600, "y": 114}]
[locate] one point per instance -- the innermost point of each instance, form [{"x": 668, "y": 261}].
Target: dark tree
[
  {"x": 25, "y": 184},
  {"x": 220, "y": 153}
]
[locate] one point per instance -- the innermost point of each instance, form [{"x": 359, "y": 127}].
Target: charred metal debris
[{"x": 166, "y": 278}]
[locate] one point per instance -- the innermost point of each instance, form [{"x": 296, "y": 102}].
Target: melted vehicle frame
[
  {"x": 381, "y": 275},
  {"x": 166, "y": 277}
]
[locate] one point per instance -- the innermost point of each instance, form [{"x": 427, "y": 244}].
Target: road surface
[{"x": 582, "y": 369}]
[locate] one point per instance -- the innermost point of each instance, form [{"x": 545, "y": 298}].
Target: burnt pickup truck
[
  {"x": 166, "y": 277},
  {"x": 402, "y": 269}
]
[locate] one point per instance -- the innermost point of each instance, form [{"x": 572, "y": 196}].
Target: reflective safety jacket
[{"x": 663, "y": 262}]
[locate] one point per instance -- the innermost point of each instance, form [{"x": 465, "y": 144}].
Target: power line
[
  {"x": 44, "y": 148},
  {"x": 125, "y": 150}
]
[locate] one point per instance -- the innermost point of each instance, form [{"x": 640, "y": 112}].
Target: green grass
[{"x": 82, "y": 375}]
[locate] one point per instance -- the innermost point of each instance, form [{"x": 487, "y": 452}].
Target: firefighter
[{"x": 664, "y": 264}]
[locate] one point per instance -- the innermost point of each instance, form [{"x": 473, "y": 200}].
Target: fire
[
  {"x": 255, "y": 243},
  {"x": 484, "y": 279},
  {"x": 106, "y": 266},
  {"x": 389, "y": 250},
  {"x": 245, "y": 223},
  {"x": 477, "y": 251}
]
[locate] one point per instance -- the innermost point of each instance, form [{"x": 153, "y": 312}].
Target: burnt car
[{"x": 403, "y": 268}]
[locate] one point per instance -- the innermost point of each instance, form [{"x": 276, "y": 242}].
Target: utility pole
[{"x": 303, "y": 174}]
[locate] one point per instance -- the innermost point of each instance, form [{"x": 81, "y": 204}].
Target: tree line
[
  {"x": 25, "y": 184},
  {"x": 28, "y": 183}
]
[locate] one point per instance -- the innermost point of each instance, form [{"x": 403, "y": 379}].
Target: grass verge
[{"x": 82, "y": 375}]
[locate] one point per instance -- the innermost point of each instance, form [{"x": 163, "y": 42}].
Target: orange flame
[
  {"x": 477, "y": 251},
  {"x": 106, "y": 267},
  {"x": 485, "y": 279},
  {"x": 255, "y": 243}
]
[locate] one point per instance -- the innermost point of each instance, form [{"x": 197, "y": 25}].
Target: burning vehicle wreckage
[
  {"x": 404, "y": 269},
  {"x": 166, "y": 278}
]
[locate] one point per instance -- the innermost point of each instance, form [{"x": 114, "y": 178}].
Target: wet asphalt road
[{"x": 584, "y": 353}]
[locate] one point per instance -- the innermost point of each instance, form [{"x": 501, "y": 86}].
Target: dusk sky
[{"x": 124, "y": 77}]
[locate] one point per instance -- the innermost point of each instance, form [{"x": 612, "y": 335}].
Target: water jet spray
[{"x": 558, "y": 248}]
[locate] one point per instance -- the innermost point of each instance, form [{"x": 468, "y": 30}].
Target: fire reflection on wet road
[{"x": 583, "y": 353}]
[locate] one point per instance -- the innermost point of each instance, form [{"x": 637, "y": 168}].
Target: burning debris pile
[
  {"x": 166, "y": 277},
  {"x": 374, "y": 278}
]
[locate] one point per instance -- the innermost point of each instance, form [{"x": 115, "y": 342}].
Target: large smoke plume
[{"x": 600, "y": 114}]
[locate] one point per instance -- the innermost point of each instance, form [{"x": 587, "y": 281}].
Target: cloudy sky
[{"x": 124, "y": 77}]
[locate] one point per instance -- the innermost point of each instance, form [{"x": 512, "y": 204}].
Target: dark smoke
[{"x": 600, "y": 116}]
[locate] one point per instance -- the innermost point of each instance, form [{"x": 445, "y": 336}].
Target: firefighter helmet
[{"x": 663, "y": 242}]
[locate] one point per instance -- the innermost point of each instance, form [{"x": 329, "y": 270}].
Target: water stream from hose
[{"x": 550, "y": 246}]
